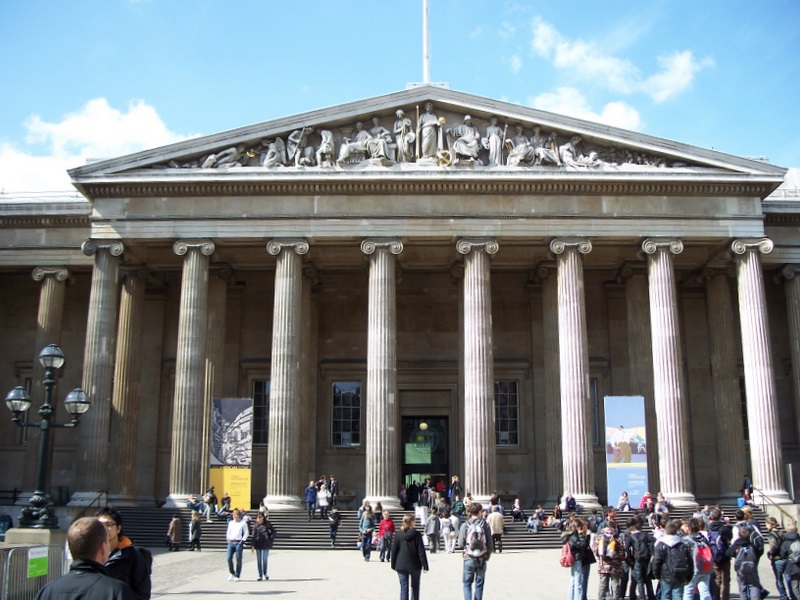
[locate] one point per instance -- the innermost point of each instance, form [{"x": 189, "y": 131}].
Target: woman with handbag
[{"x": 577, "y": 538}]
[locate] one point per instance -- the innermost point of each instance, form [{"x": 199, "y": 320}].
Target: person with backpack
[
  {"x": 702, "y": 558},
  {"x": 672, "y": 562},
  {"x": 719, "y": 539},
  {"x": 745, "y": 565},
  {"x": 263, "y": 539},
  {"x": 477, "y": 550},
  {"x": 774, "y": 541},
  {"x": 408, "y": 558},
  {"x": 126, "y": 562},
  {"x": 639, "y": 547},
  {"x": 609, "y": 549},
  {"x": 578, "y": 537},
  {"x": 790, "y": 551}
]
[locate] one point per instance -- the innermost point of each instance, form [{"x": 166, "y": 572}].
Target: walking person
[
  {"x": 672, "y": 563},
  {"x": 386, "y": 531},
  {"x": 323, "y": 501},
  {"x": 174, "y": 533},
  {"x": 703, "y": 561},
  {"x": 365, "y": 528},
  {"x": 745, "y": 565},
  {"x": 408, "y": 558},
  {"x": 477, "y": 550},
  {"x": 236, "y": 535},
  {"x": 792, "y": 567},
  {"x": 263, "y": 538},
  {"x": 334, "y": 519},
  {"x": 775, "y": 538},
  {"x": 433, "y": 529},
  {"x": 195, "y": 532},
  {"x": 311, "y": 499},
  {"x": 496, "y": 526}
]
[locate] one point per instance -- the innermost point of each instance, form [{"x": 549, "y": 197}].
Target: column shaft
[
  {"x": 577, "y": 457},
  {"x": 762, "y": 413},
  {"x": 284, "y": 419},
  {"x": 383, "y": 413},
  {"x": 91, "y": 460},
  {"x": 668, "y": 381},
  {"x": 732, "y": 462},
  {"x": 190, "y": 371},
  {"x": 552, "y": 383},
  {"x": 791, "y": 276},
  {"x": 479, "y": 428}
]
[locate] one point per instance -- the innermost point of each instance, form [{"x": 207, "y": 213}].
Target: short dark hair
[
  {"x": 716, "y": 515},
  {"x": 85, "y": 537},
  {"x": 672, "y": 527},
  {"x": 475, "y": 508},
  {"x": 113, "y": 514},
  {"x": 744, "y": 532}
]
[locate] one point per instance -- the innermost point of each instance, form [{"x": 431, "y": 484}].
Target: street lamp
[{"x": 39, "y": 515}]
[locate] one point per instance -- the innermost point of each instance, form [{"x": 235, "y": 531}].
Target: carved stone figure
[
  {"x": 364, "y": 145},
  {"x": 463, "y": 141},
  {"x": 404, "y": 137},
  {"x": 521, "y": 152},
  {"x": 546, "y": 152},
  {"x": 297, "y": 147},
  {"x": 326, "y": 149},
  {"x": 493, "y": 142},
  {"x": 428, "y": 133},
  {"x": 572, "y": 155},
  {"x": 275, "y": 154},
  {"x": 225, "y": 159}
]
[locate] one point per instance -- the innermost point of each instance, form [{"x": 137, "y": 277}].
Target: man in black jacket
[
  {"x": 87, "y": 578},
  {"x": 722, "y": 566},
  {"x": 125, "y": 562}
]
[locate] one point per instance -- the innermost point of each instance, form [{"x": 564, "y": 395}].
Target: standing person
[
  {"x": 455, "y": 489},
  {"x": 578, "y": 537},
  {"x": 174, "y": 533},
  {"x": 365, "y": 527},
  {"x": 745, "y": 565},
  {"x": 263, "y": 538},
  {"x": 703, "y": 561},
  {"x": 311, "y": 499},
  {"x": 87, "y": 579},
  {"x": 640, "y": 551},
  {"x": 672, "y": 563},
  {"x": 792, "y": 567},
  {"x": 609, "y": 549},
  {"x": 477, "y": 550},
  {"x": 333, "y": 489},
  {"x": 719, "y": 538},
  {"x": 774, "y": 541},
  {"x": 449, "y": 528},
  {"x": 433, "y": 529},
  {"x": 408, "y": 558},
  {"x": 125, "y": 562},
  {"x": 385, "y": 535},
  {"x": 496, "y": 525},
  {"x": 236, "y": 535},
  {"x": 334, "y": 519},
  {"x": 323, "y": 500},
  {"x": 195, "y": 532}
]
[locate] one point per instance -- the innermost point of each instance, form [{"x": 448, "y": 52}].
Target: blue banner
[{"x": 626, "y": 449}]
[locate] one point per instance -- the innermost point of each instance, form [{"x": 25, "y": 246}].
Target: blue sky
[{"x": 99, "y": 78}]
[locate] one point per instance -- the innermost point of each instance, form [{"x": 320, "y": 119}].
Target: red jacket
[{"x": 386, "y": 525}]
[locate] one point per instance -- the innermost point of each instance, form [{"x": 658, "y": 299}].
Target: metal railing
[
  {"x": 16, "y": 582},
  {"x": 87, "y": 511},
  {"x": 765, "y": 499}
]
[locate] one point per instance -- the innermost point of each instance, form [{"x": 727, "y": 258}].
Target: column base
[
  {"x": 387, "y": 502},
  {"x": 587, "y": 501},
  {"x": 176, "y": 501},
  {"x": 84, "y": 499},
  {"x": 771, "y": 496},
  {"x": 122, "y": 500},
  {"x": 681, "y": 499},
  {"x": 146, "y": 501},
  {"x": 285, "y": 503}
]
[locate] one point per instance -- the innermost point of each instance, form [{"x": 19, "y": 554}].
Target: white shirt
[{"x": 237, "y": 531}]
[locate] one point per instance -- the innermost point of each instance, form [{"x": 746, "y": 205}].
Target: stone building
[{"x": 410, "y": 295}]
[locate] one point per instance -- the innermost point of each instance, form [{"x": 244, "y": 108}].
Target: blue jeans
[
  {"x": 749, "y": 587},
  {"x": 312, "y": 508},
  {"x": 587, "y": 567},
  {"x": 474, "y": 570},
  {"x": 782, "y": 580},
  {"x": 236, "y": 548},
  {"x": 366, "y": 544},
  {"x": 671, "y": 591},
  {"x": 404, "y": 580},
  {"x": 576, "y": 581},
  {"x": 386, "y": 547},
  {"x": 701, "y": 581},
  {"x": 262, "y": 557}
]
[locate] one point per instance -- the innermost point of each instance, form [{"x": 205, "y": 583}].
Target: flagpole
[{"x": 426, "y": 74}]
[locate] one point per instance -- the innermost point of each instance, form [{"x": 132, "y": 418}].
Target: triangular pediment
[{"x": 459, "y": 133}]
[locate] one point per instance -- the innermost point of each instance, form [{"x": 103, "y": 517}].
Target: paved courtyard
[{"x": 335, "y": 575}]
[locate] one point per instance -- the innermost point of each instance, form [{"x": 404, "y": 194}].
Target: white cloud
[
  {"x": 516, "y": 63},
  {"x": 96, "y": 131},
  {"x": 569, "y": 101},
  {"x": 588, "y": 61}
]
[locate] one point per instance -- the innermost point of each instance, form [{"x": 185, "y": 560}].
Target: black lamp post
[{"x": 39, "y": 515}]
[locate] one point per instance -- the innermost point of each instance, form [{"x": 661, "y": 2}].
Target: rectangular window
[
  {"x": 506, "y": 413},
  {"x": 346, "y": 414},
  {"x": 260, "y": 412}
]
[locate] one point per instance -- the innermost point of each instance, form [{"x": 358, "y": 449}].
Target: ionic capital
[
  {"x": 653, "y": 245},
  {"x": 206, "y": 247},
  {"x": 58, "y": 273},
  {"x": 134, "y": 271},
  {"x": 561, "y": 245},
  {"x": 760, "y": 245},
  {"x": 790, "y": 271},
  {"x": 91, "y": 247},
  {"x": 299, "y": 246},
  {"x": 545, "y": 271},
  {"x": 710, "y": 272},
  {"x": 467, "y": 245},
  {"x": 628, "y": 271},
  {"x": 369, "y": 246}
]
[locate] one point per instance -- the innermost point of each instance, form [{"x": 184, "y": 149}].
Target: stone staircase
[{"x": 148, "y": 527}]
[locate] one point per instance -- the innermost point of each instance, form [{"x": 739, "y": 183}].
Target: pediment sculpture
[{"x": 428, "y": 141}]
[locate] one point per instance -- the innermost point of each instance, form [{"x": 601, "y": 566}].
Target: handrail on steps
[
  {"x": 96, "y": 499},
  {"x": 765, "y": 499}
]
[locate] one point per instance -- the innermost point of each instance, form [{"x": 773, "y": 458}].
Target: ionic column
[
  {"x": 215, "y": 358},
  {"x": 668, "y": 381},
  {"x": 91, "y": 458},
  {"x": 731, "y": 458},
  {"x": 125, "y": 400},
  {"x": 188, "y": 411},
  {"x": 573, "y": 350},
  {"x": 479, "y": 429},
  {"x": 284, "y": 419},
  {"x": 762, "y": 414},
  {"x": 552, "y": 385},
  {"x": 383, "y": 412},
  {"x": 640, "y": 356},
  {"x": 48, "y": 331},
  {"x": 791, "y": 278}
]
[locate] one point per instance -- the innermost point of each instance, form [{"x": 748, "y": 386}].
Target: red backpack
[{"x": 703, "y": 559}]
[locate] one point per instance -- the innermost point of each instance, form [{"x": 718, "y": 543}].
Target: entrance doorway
[{"x": 425, "y": 453}]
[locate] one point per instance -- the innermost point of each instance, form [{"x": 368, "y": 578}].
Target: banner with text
[
  {"x": 232, "y": 449},
  {"x": 626, "y": 448}
]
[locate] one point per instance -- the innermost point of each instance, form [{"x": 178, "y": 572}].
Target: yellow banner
[{"x": 235, "y": 481}]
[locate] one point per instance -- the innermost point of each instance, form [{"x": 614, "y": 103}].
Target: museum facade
[{"x": 422, "y": 284}]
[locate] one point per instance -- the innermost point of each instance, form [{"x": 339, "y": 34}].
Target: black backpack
[
  {"x": 147, "y": 557},
  {"x": 640, "y": 547},
  {"x": 678, "y": 564}
]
